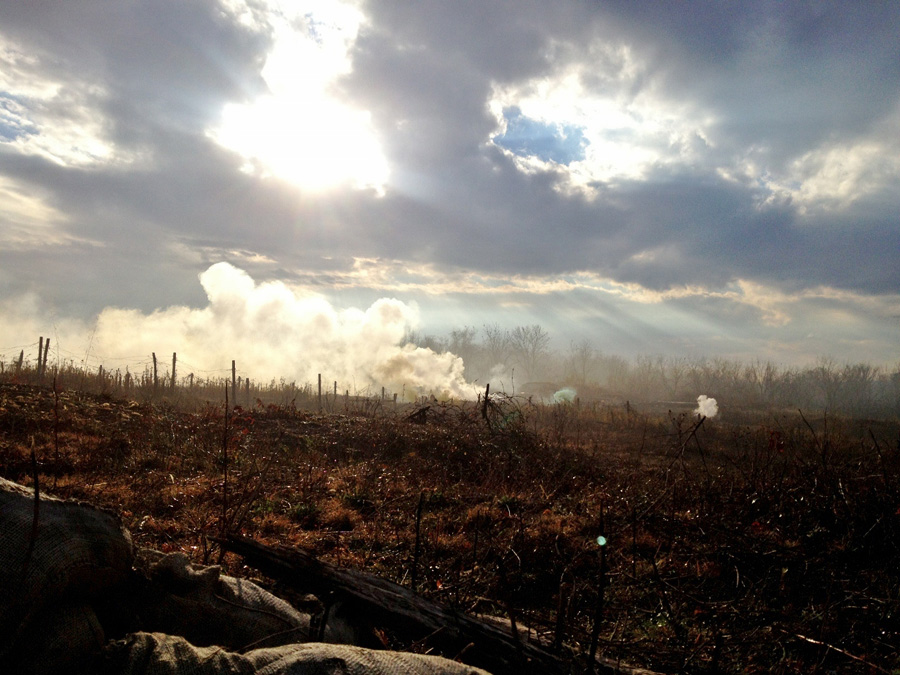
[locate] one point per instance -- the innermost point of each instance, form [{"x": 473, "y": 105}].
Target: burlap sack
[
  {"x": 209, "y": 608},
  {"x": 157, "y": 654},
  {"x": 67, "y": 639},
  {"x": 69, "y": 555}
]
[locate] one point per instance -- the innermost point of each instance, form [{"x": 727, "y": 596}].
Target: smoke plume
[
  {"x": 274, "y": 332},
  {"x": 707, "y": 407}
]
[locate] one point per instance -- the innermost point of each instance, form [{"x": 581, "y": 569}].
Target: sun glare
[{"x": 299, "y": 131}]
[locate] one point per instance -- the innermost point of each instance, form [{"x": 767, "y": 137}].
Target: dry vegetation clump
[{"x": 771, "y": 546}]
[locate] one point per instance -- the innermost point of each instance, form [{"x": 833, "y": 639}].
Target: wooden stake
[
  {"x": 233, "y": 383},
  {"x": 46, "y": 354},
  {"x": 224, "y": 523}
]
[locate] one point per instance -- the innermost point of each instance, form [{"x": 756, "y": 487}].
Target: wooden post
[
  {"x": 19, "y": 364},
  {"x": 320, "y": 392},
  {"x": 247, "y": 389},
  {"x": 449, "y": 632},
  {"x": 233, "y": 383},
  {"x": 155, "y": 373},
  {"x": 46, "y": 354},
  {"x": 174, "y": 360},
  {"x": 41, "y": 354}
]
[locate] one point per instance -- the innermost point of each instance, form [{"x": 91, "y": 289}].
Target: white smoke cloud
[
  {"x": 565, "y": 395},
  {"x": 273, "y": 332},
  {"x": 707, "y": 407}
]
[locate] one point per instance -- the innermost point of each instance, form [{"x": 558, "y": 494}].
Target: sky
[{"x": 296, "y": 184}]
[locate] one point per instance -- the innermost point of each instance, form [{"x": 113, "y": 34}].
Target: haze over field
[{"x": 296, "y": 185}]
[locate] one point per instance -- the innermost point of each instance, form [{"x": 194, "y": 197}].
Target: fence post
[
  {"x": 46, "y": 354},
  {"x": 233, "y": 383},
  {"x": 155, "y": 373}
]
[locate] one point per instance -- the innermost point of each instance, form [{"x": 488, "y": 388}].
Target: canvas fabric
[
  {"x": 76, "y": 553},
  {"x": 158, "y": 654}
]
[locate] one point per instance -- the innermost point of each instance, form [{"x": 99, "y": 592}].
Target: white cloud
[
  {"x": 628, "y": 133},
  {"x": 44, "y": 116},
  {"x": 29, "y": 222}
]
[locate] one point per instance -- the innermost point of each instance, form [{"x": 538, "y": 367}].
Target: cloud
[{"x": 727, "y": 162}]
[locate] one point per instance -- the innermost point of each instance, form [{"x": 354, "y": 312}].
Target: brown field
[{"x": 752, "y": 542}]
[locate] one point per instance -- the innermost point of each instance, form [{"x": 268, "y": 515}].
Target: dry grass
[{"x": 771, "y": 545}]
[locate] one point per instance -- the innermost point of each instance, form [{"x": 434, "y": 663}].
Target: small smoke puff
[
  {"x": 707, "y": 407},
  {"x": 565, "y": 395}
]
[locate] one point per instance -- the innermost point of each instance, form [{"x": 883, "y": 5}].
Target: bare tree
[
  {"x": 762, "y": 379},
  {"x": 857, "y": 385},
  {"x": 582, "y": 361},
  {"x": 827, "y": 379},
  {"x": 676, "y": 369},
  {"x": 462, "y": 343},
  {"x": 497, "y": 345},
  {"x": 529, "y": 344}
]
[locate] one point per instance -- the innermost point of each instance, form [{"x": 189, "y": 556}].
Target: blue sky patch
[
  {"x": 11, "y": 122},
  {"x": 550, "y": 142}
]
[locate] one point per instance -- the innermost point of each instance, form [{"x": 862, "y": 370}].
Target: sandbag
[
  {"x": 71, "y": 553},
  {"x": 158, "y": 654},
  {"x": 209, "y": 608},
  {"x": 69, "y": 637}
]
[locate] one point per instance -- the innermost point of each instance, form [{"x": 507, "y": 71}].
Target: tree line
[{"x": 509, "y": 358}]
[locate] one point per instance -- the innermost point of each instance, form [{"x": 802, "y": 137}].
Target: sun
[{"x": 299, "y": 131}]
